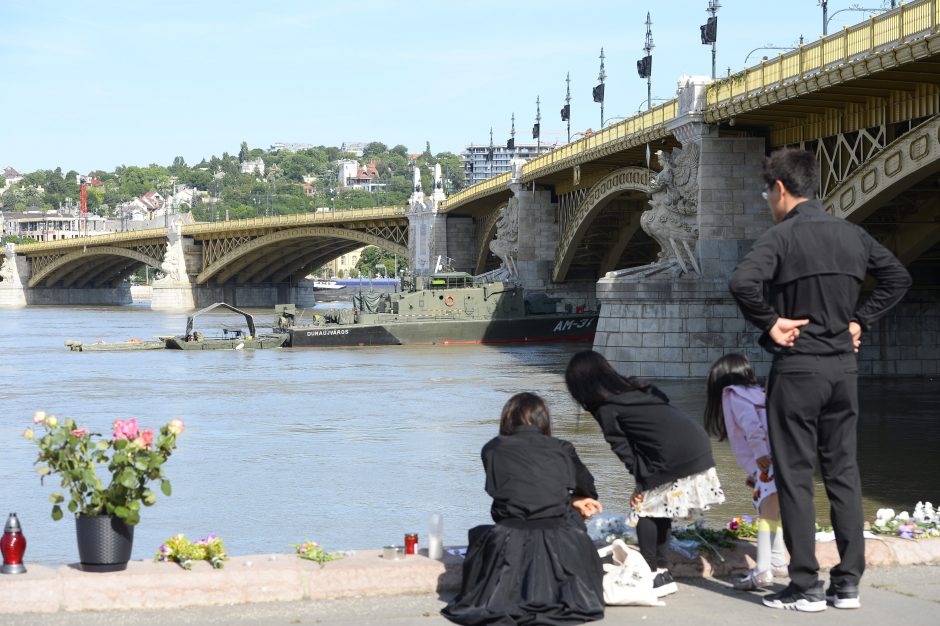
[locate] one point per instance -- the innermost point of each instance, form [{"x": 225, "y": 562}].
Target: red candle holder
[{"x": 12, "y": 546}]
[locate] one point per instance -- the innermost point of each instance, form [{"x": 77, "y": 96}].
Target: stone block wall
[
  {"x": 461, "y": 244},
  {"x": 538, "y": 236},
  {"x": 905, "y": 341},
  {"x": 672, "y": 329},
  {"x": 732, "y": 212}
]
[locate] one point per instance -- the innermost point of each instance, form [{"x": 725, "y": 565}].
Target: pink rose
[
  {"x": 126, "y": 429},
  {"x": 147, "y": 437},
  {"x": 39, "y": 417},
  {"x": 29, "y": 434},
  {"x": 80, "y": 432}
]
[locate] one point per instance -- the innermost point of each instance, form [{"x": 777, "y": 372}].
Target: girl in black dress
[{"x": 536, "y": 565}]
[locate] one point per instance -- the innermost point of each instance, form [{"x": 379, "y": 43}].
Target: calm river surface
[{"x": 349, "y": 447}]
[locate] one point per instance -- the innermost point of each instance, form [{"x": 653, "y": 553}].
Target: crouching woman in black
[{"x": 537, "y": 565}]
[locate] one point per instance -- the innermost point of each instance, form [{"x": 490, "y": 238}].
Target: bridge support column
[
  {"x": 537, "y": 238},
  {"x": 176, "y": 291},
  {"x": 661, "y": 321},
  {"x": 14, "y": 274}
]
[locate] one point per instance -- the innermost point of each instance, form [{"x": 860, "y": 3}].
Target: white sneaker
[{"x": 754, "y": 580}]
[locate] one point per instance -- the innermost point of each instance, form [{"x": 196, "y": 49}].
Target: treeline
[{"x": 278, "y": 192}]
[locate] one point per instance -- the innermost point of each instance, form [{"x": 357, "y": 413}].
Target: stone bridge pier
[
  {"x": 674, "y": 317},
  {"x": 527, "y": 235}
]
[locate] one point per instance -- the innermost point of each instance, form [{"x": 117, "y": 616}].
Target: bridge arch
[
  {"x": 69, "y": 264},
  {"x": 267, "y": 257},
  {"x": 487, "y": 229},
  {"x": 575, "y": 224},
  {"x": 902, "y": 164}
]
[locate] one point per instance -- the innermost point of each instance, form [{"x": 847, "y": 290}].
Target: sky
[{"x": 98, "y": 84}]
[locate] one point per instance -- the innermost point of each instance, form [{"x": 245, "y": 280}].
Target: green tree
[
  {"x": 243, "y": 152},
  {"x": 373, "y": 255},
  {"x": 374, "y": 149}
]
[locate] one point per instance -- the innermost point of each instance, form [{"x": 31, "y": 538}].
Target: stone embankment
[{"x": 284, "y": 577}]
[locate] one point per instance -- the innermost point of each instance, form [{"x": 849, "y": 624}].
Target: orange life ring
[{"x": 449, "y": 301}]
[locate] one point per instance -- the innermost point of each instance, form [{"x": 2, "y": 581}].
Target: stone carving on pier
[
  {"x": 174, "y": 261},
  {"x": 672, "y": 219},
  {"x": 506, "y": 244},
  {"x": 8, "y": 274}
]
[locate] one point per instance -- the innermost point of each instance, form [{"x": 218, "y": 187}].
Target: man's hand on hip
[
  {"x": 855, "y": 329},
  {"x": 785, "y": 331}
]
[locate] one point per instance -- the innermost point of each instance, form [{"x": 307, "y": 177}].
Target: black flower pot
[{"x": 104, "y": 542}]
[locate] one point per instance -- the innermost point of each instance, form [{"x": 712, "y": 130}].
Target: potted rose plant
[{"x": 105, "y": 515}]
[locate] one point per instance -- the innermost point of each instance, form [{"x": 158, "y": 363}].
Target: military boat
[{"x": 443, "y": 309}]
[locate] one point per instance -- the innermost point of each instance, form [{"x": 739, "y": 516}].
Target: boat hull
[
  {"x": 258, "y": 343},
  {"x": 530, "y": 329}
]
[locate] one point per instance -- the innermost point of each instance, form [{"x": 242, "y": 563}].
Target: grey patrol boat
[{"x": 445, "y": 308}]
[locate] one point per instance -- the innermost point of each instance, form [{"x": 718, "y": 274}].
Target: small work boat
[
  {"x": 120, "y": 346},
  {"x": 232, "y": 338}
]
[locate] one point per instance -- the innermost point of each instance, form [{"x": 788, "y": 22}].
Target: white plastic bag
[{"x": 629, "y": 582}]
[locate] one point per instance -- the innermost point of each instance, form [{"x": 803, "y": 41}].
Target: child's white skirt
[{"x": 685, "y": 497}]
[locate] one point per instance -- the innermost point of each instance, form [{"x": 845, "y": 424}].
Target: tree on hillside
[
  {"x": 243, "y": 152},
  {"x": 374, "y": 149}
]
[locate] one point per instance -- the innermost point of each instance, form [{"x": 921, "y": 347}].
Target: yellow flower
[{"x": 29, "y": 434}]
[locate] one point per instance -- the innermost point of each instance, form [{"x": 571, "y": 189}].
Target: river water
[{"x": 349, "y": 447}]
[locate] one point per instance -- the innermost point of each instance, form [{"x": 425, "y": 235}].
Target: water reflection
[{"x": 350, "y": 447}]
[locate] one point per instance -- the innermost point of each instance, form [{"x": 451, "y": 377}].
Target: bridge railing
[
  {"x": 882, "y": 31},
  {"x": 297, "y": 219},
  {"x": 93, "y": 240},
  {"x": 480, "y": 189},
  {"x": 657, "y": 116},
  {"x": 569, "y": 153}
]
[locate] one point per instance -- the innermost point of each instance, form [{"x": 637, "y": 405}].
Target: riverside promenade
[{"x": 902, "y": 584}]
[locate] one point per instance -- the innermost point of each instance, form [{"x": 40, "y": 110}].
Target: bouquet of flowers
[
  {"x": 181, "y": 550},
  {"x": 925, "y": 522},
  {"x": 133, "y": 456},
  {"x": 743, "y": 527},
  {"x": 608, "y": 528},
  {"x": 313, "y": 551}
]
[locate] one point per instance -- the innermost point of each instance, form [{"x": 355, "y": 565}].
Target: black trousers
[{"x": 812, "y": 412}]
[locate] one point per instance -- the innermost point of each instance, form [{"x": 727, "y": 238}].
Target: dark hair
[
  {"x": 796, "y": 169},
  {"x": 731, "y": 369},
  {"x": 592, "y": 380},
  {"x": 525, "y": 409}
]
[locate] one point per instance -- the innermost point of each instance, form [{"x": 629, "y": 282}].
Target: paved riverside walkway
[{"x": 902, "y": 585}]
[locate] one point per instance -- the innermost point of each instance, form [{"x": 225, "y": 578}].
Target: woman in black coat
[
  {"x": 536, "y": 565},
  {"x": 668, "y": 453}
]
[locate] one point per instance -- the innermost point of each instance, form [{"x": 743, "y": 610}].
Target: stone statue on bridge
[
  {"x": 174, "y": 262},
  {"x": 672, "y": 219},
  {"x": 506, "y": 244},
  {"x": 8, "y": 273}
]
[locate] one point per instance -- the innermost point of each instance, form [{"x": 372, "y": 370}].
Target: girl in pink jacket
[{"x": 735, "y": 409}]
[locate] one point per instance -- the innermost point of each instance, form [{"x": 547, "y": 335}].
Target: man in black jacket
[{"x": 814, "y": 265}]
